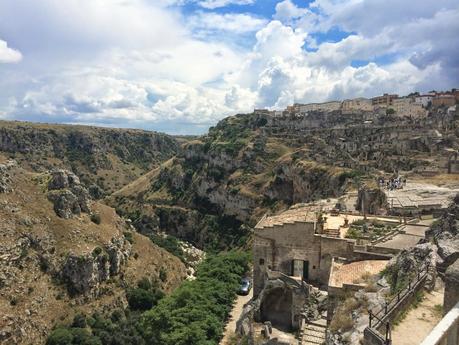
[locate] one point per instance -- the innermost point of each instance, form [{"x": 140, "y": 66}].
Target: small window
[
  {"x": 262, "y": 262},
  {"x": 313, "y": 267}
]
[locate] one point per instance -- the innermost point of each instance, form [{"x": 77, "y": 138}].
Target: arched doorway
[{"x": 276, "y": 307}]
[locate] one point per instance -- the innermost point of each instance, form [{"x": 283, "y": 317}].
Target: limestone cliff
[
  {"x": 225, "y": 182},
  {"x": 53, "y": 266},
  {"x": 105, "y": 159}
]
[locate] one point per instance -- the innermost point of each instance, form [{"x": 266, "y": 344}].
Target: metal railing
[{"x": 379, "y": 318}]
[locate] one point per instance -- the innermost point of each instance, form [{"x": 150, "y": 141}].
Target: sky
[{"x": 180, "y": 66}]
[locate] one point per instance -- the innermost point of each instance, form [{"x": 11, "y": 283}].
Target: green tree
[{"x": 60, "y": 336}]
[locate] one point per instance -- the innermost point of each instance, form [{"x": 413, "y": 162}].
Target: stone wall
[{"x": 276, "y": 247}]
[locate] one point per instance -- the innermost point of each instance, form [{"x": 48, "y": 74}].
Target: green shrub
[
  {"x": 79, "y": 321},
  {"x": 60, "y": 336},
  {"x": 195, "y": 313},
  {"x": 97, "y": 251},
  {"x": 128, "y": 235},
  {"x": 145, "y": 284},
  {"x": 140, "y": 299},
  {"x": 169, "y": 243},
  {"x": 95, "y": 218},
  {"x": 162, "y": 274}
]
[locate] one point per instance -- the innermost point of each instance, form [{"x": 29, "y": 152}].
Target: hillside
[
  {"x": 61, "y": 253},
  {"x": 105, "y": 159},
  {"x": 248, "y": 165}
]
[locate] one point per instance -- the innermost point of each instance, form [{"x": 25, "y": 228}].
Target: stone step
[
  {"x": 319, "y": 323},
  {"x": 314, "y": 334}
]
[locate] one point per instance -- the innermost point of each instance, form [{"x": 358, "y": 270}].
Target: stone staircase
[
  {"x": 331, "y": 232},
  {"x": 314, "y": 332}
]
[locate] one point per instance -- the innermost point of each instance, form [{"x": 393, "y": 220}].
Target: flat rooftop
[
  {"x": 352, "y": 273},
  {"x": 309, "y": 213},
  {"x": 420, "y": 195},
  {"x": 292, "y": 215}
]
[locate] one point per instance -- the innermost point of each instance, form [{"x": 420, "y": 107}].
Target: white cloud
[
  {"x": 137, "y": 62},
  {"x": 287, "y": 10},
  {"x": 213, "y": 4},
  {"x": 9, "y": 55},
  {"x": 237, "y": 23}
]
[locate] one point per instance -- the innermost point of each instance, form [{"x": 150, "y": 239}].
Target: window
[{"x": 262, "y": 262}]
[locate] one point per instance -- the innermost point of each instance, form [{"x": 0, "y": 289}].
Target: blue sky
[{"x": 180, "y": 66}]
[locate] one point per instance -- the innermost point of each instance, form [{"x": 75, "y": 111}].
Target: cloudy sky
[{"x": 181, "y": 65}]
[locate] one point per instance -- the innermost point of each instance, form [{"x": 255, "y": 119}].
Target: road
[{"x": 234, "y": 316}]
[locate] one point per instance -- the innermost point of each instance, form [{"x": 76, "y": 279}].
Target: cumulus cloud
[
  {"x": 287, "y": 10},
  {"x": 7, "y": 54},
  {"x": 149, "y": 63}
]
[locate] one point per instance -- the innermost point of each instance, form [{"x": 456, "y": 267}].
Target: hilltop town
[{"x": 414, "y": 105}]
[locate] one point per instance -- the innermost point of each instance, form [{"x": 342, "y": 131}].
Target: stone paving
[{"x": 410, "y": 238}]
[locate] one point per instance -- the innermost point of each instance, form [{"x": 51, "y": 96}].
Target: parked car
[{"x": 245, "y": 286}]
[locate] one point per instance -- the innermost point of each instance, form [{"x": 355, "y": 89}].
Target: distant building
[
  {"x": 358, "y": 104},
  {"x": 444, "y": 100},
  {"x": 407, "y": 107},
  {"x": 384, "y": 100},
  {"x": 455, "y": 93},
  {"x": 424, "y": 100},
  {"x": 263, "y": 112},
  {"x": 327, "y": 106}
]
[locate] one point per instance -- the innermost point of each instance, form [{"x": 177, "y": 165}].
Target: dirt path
[
  {"x": 234, "y": 316},
  {"x": 418, "y": 322}
]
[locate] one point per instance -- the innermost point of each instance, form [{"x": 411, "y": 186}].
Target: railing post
[
  {"x": 385, "y": 308},
  {"x": 409, "y": 285},
  {"x": 398, "y": 297},
  {"x": 388, "y": 334},
  {"x": 370, "y": 315}
]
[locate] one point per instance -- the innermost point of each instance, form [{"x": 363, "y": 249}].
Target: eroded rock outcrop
[
  {"x": 371, "y": 200},
  {"x": 5, "y": 180},
  {"x": 67, "y": 194},
  {"x": 84, "y": 273},
  {"x": 445, "y": 234}
]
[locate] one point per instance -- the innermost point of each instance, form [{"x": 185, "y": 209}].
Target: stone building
[
  {"x": 406, "y": 107},
  {"x": 359, "y": 104},
  {"x": 424, "y": 100},
  {"x": 301, "y": 245},
  {"x": 384, "y": 100},
  {"x": 444, "y": 100},
  {"x": 327, "y": 106}
]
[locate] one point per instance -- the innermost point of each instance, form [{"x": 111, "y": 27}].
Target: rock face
[
  {"x": 5, "y": 180},
  {"x": 52, "y": 267},
  {"x": 406, "y": 265},
  {"x": 445, "y": 234},
  {"x": 225, "y": 180},
  {"x": 67, "y": 194},
  {"x": 83, "y": 274},
  {"x": 372, "y": 200},
  {"x": 122, "y": 155}
]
